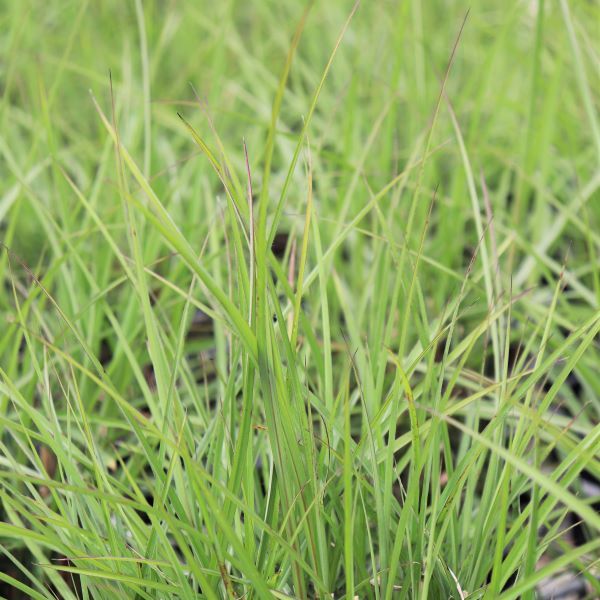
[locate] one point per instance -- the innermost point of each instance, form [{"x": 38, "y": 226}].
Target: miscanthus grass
[{"x": 299, "y": 302}]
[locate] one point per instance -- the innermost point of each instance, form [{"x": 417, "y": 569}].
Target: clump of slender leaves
[{"x": 299, "y": 302}]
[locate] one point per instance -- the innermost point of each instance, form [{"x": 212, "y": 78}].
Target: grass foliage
[{"x": 299, "y": 302}]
